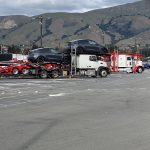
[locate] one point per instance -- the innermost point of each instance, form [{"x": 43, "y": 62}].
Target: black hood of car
[{"x": 102, "y": 50}]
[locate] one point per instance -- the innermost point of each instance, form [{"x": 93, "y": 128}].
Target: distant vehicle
[
  {"x": 130, "y": 63},
  {"x": 146, "y": 65},
  {"x": 41, "y": 55},
  {"x": 6, "y": 57},
  {"x": 86, "y": 47}
]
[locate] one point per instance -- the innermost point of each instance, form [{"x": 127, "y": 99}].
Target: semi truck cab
[{"x": 91, "y": 65}]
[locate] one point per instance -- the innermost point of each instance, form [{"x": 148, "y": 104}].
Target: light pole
[
  {"x": 103, "y": 38},
  {"x": 41, "y": 26}
]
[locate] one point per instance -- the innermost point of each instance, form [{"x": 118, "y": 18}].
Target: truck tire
[
  {"x": 139, "y": 69},
  {"x": 103, "y": 73},
  {"x": 54, "y": 74},
  {"x": 43, "y": 74},
  {"x": 25, "y": 71},
  {"x": 15, "y": 71}
]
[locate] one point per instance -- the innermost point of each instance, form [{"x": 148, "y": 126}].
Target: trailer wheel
[
  {"x": 43, "y": 74},
  {"x": 15, "y": 71},
  {"x": 54, "y": 74},
  {"x": 103, "y": 73},
  {"x": 25, "y": 71},
  {"x": 139, "y": 70}
]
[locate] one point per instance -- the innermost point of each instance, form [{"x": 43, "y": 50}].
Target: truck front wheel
[
  {"x": 139, "y": 70},
  {"x": 103, "y": 73}
]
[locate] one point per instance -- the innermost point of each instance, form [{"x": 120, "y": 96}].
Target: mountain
[{"x": 122, "y": 25}]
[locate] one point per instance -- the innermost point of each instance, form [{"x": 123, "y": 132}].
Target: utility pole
[
  {"x": 41, "y": 26},
  {"x": 103, "y": 38}
]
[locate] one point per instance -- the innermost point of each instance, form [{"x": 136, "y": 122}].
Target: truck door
[
  {"x": 92, "y": 63},
  {"x": 129, "y": 62}
]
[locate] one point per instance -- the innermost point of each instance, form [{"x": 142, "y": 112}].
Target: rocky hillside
[{"x": 122, "y": 25}]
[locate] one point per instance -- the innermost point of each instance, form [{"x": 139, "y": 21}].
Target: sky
[{"x": 36, "y": 7}]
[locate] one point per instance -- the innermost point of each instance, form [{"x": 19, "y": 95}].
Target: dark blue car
[{"x": 146, "y": 65}]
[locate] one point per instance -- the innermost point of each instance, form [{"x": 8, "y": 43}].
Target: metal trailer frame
[
  {"x": 73, "y": 54},
  {"x": 34, "y": 69}
]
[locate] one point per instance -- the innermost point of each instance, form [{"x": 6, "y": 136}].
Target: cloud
[{"x": 33, "y": 7}]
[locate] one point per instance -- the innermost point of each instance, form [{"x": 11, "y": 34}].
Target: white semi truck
[
  {"x": 90, "y": 65},
  {"x": 126, "y": 62}
]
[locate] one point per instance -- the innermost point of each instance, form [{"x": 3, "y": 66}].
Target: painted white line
[
  {"x": 57, "y": 95},
  {"x": 47, "y": 86},
  {"x": 90, "y": 90}
]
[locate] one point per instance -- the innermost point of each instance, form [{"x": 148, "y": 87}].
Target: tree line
[{"x": 145, "y": 50}]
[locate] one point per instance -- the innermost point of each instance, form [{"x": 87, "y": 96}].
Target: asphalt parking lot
[{"x": 76, "y": 114}]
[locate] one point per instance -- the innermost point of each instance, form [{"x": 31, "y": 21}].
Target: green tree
[
  {"x": 14, "y": 49},
  {"x": 34, "y": 46}
]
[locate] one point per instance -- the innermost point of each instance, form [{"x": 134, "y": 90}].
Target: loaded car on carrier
[
  {"x": 86, "y": 46},
  {"x": 41, "y": 55}
]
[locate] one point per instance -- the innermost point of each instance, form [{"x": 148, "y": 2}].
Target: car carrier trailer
[
  {"x": 22, "y": 68},
  {"x": 80, "y": 65},
  {"x": 89, "y": 65}
]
